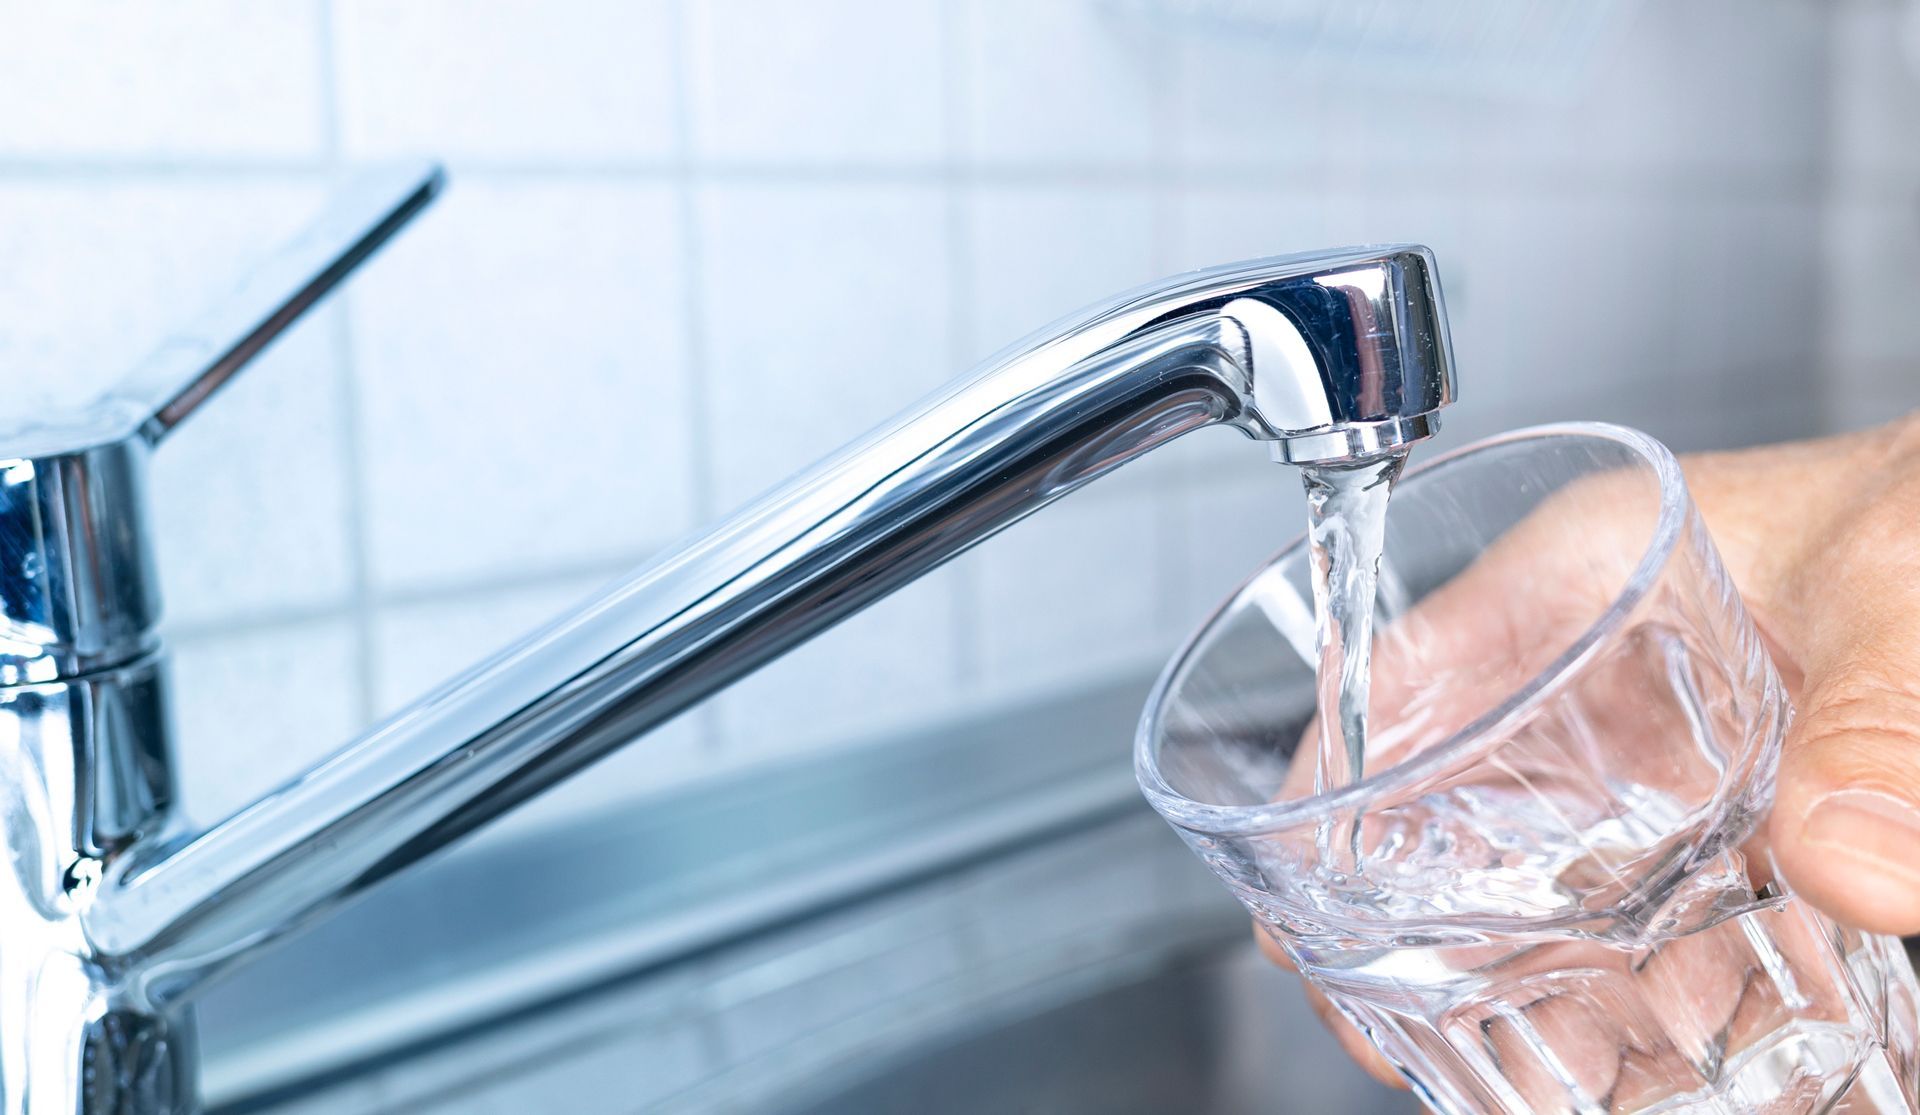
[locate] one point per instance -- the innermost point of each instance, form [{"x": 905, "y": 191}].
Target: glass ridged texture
[{"x": 1559, "y": 898}]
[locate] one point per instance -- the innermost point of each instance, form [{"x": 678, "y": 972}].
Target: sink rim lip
[{"x": 1083, "y": 790}]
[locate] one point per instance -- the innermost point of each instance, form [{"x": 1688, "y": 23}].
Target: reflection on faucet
[{"x": 115, "y": 914}]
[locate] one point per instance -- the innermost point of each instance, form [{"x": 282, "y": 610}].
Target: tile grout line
[
  {"x": 706, "y": 718},
  {"x": 965, "y": 597},
  {"x": 352, "y": 437},
  {"x": 1713, "y": 182}
]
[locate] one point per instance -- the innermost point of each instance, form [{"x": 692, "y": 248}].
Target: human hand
[{"x": 1823, "y": 540}]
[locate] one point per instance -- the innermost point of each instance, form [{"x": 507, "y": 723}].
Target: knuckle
[
  {"x": 1873, "y": 706},
  {"x": 1879, "y": 536},
  {"x": 1902, "y": 436}
]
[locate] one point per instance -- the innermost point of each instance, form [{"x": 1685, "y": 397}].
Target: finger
[
  {"x": 1846, "y": 824},
  {"x": 1270, "y": 948},
  {"x": 1476, "y": 639},
  {"x": 1352, "y": 1040}
]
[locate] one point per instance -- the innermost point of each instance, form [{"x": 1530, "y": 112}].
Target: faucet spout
[{"x": 1323, "y": 356}]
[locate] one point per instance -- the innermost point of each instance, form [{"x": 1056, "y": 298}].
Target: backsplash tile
[
  {"x": 888, "y": 667},
  {"x": 586, "y": 80},
  {"x": 1875, "y": 83},
  {"x": 420, "y": 643},
  {"x": 523, "y": 384},
  {"x": 1872, "y": 332},
  {"x": 823, "y": 310},
  {"x": 1067, "y": 82},
  {"x": 1234, "y": 109},
  {"x": 1224, "y": 532},
  {"x": 1038, "y": 252},
  {"x": 255, "y": 708},
  {"x": 101, "y": 268},
  {"x": 196, "y": 79},
  {"x": 252, "y": 497},
  {"x": 1219, "y": 223},
  {"x": 800, "y": 83},
  {"x": 1069, "y": 594}
]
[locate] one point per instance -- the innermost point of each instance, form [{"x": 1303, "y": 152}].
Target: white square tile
[
  {"x": 1215, "y": 225},
  {"x": 1580, "y": 287},
  {"x": 202, "y": 77},
  {"x": 1225, "y": 531},
  {"x": 1872, "y": 287},
  {"x": 1234, "y": 107},
  {"x": 100, "y": 270},
  {"x": 1773, "y": 260},
  {"x": 524, "y": 392},
  {"x": 887, "y": 668},
  {"x": 1041, "y": 252},
  {"x": 1399, "y": 134},
  {"x": 1460, "y": 226},
  {"x": 1875, "y": 91},
  {"x": 1643, "y": 98},
  {"x": 1071, "y": 81},
  {"x": 588, "y": 79},
  {"x": 1864, "y": 395},
  {"x": 250, "y": 495},
  {"x": 857, "y": 81},
  {"x": 1072, "y": 592},
  {"x": 1777, "y": 96},
  {"x": 256, "y": 708},
  {"x": 824, "y": 311}
]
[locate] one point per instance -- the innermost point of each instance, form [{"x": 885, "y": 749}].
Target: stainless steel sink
[
  {"x": 988, "y": 920},
  {"x": 1213, "y": 1032}
]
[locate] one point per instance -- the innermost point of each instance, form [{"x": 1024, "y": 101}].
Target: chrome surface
[
  {"x": 115, "y": 913},
  {"x": 646, "y": 892},
  {"x": 1212, "y": 1030},
  {"x": 78, "y": 589}
]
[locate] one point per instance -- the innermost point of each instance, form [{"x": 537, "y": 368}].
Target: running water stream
[{"x": 1346, "y": 531}]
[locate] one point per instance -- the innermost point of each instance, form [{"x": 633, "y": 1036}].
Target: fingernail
[{"x": 1867, "y": 824}]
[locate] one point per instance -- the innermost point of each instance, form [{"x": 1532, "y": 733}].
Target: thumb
[{"x": 1846, "y": 823}]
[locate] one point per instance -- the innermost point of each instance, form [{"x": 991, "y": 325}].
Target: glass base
[{"x": 1774, "y": 1012}]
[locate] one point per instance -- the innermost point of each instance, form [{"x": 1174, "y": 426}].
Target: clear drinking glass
[{"x": 1551, "y": 891}]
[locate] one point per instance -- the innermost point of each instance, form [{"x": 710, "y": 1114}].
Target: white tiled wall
[
  {"x": 1872, "y": 236},
  {"x": 692, "y": 244}
]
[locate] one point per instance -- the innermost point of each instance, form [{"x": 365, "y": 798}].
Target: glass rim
[{"x": 1243, "y": 820}]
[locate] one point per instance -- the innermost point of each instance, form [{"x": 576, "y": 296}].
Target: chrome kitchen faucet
[{"x": 115, "y": 912}]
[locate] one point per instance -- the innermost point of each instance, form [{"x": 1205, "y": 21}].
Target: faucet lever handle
[{"x": 193, "y": 363}]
